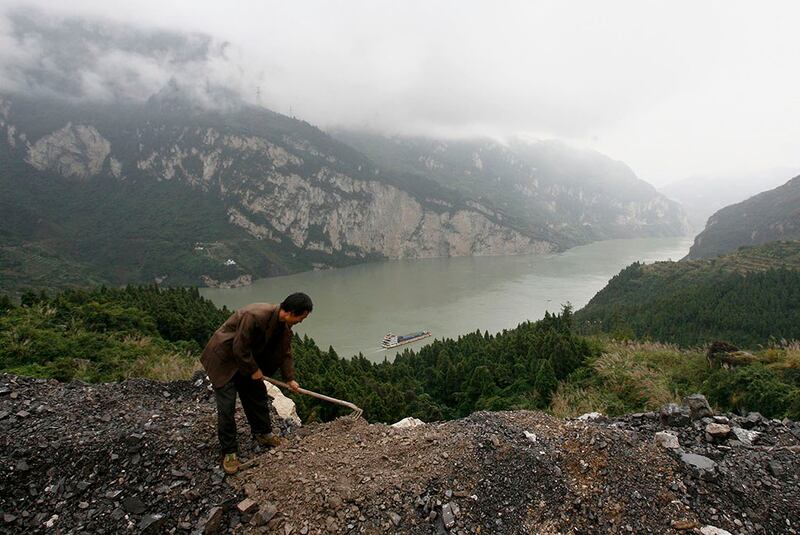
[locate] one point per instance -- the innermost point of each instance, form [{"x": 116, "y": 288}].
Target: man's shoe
[
  {"x": 230, "y": 464},
  {"x": 270, "y": 441}
]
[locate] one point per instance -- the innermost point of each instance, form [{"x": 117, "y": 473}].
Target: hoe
[{"x": 356, "y": 414}]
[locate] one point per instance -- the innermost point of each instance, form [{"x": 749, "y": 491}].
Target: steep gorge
[{"x": 194, "y": 196}]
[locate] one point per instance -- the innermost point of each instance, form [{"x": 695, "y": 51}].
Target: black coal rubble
[
  {"x": 742, "y": 472},
  {"x": 129, "y": 458},
  {"x": 137, "y": 456},
  {"x": 674, "y": 415}
]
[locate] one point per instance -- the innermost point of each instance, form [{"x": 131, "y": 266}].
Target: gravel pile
[
  {"x": 526, "y": 472},
  {"x": 141, "y": 457},
  {"x": 138, "y": 456}
]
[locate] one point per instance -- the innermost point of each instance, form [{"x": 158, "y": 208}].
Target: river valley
[{"x": 355, "y": 306}]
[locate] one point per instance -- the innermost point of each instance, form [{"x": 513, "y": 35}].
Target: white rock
[
  {"x": 74, "y": 151},
  {"x": 378, "y": 219},
  {"x": 283, "y": 405},
  {"x": 666, "y": 440},
  {"x": 745, "y": 436},
  {"x": 711, "y": 530},
  {"x": 590, "y": 416},
  {"x": 531, "y": 436},
  {"x": 408, "y": 422}
]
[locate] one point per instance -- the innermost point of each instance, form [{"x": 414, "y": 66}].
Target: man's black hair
[{"x": 297, "y": 303}]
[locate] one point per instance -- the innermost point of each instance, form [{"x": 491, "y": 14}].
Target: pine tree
[{"x": 545, "y": 383}]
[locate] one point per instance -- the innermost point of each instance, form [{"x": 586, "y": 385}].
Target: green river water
[{"x": 355, "y": 306}]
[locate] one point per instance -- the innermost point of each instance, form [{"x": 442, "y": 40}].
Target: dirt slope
[{"x": 140, "y": 456}]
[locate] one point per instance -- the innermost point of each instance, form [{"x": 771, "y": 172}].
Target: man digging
[{"x": 255, "y": 341}]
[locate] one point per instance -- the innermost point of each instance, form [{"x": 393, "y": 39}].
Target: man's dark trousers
[{"x": 253, "y": 394}]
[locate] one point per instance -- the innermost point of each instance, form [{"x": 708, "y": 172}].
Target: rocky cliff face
[
  {"x": 285, "y": 184},
  {"x": 546, "y": 187},
  {"x": 253, "y": 193},
  {"x": 327, "y": 210},
  {"x": 73, "y": 151}
]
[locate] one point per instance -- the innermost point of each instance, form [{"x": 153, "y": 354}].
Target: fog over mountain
[
  {"x": 615, "y": 78},
  {"x": 701, "y": 196},
  {"x": 96, "y": 60}
]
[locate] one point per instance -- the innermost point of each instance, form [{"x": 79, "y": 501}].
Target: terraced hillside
[
  {"x": 748, "y": 298},
  {"x": 748, "y": 259}
]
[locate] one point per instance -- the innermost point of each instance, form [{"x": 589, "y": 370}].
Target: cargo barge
[{"x": 392, "y": 340}]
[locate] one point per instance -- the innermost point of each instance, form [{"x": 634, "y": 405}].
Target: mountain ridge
[
  {"x": 771, "y": 215},
  {"x": 239, "y": 192},
  {"x": 295, "y": 198},
  {"x": 572, "y": 195},
  {"x": 703, "y": 195}
]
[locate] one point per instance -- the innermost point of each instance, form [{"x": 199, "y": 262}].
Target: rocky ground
[{"x": 140, "y": 456}]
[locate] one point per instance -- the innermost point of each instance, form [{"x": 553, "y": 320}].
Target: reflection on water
[{"x": 355, "y": 306}]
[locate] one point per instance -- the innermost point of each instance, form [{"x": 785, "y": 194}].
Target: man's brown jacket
[{"x": 250, "y": 339}]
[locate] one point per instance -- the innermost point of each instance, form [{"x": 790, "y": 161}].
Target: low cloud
[
  {"x": 85, "y": 59},
  {"x": 674, "y": 89}
]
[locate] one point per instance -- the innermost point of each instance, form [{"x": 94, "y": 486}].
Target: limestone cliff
[
  {"x": 73, "y": 151},
  {"x": 246, "y": 191},
  {"x": 568, "y": 195},
  {"x": 326, "y": 211}
]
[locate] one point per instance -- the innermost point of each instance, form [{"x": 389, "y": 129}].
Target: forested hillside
[
  {"x": 519, "y": 368},
  {"x": 108, "y": 335},
  {"x": 769, "y": 216},
  {"x": 748, "y": 298},
  {"x": 132, "y": 193},
  {"x": 124, "y": 193}
]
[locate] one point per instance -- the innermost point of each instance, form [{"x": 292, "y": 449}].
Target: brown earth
[
  {"x": 576, "y": 477},
  {"x": 140, "y": 457}
]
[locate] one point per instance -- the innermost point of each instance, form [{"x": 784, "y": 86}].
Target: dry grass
[
  {"x": 634, "y": 380},
  {"x": 631, "y": 376},
  {"x": 138, "y": 340},
  {"x": 793, "y": 357},
  {"x": 641, "y": 376},
  {"x": 635, "y": 345},
  {"x": 784, "y": 359},
  {"x": 570, "y": 401},
  {"x": 166, "y": 367}
]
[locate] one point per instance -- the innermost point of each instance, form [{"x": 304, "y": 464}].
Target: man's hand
[
  {"x": 294, "y": 386},
  {"x": 257, "y": 375}
]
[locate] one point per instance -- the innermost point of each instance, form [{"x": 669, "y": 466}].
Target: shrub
[{"x": 750, "y": 388}]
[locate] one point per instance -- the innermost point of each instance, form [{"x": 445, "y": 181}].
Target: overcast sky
[{"x": 673, "y": 89}]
